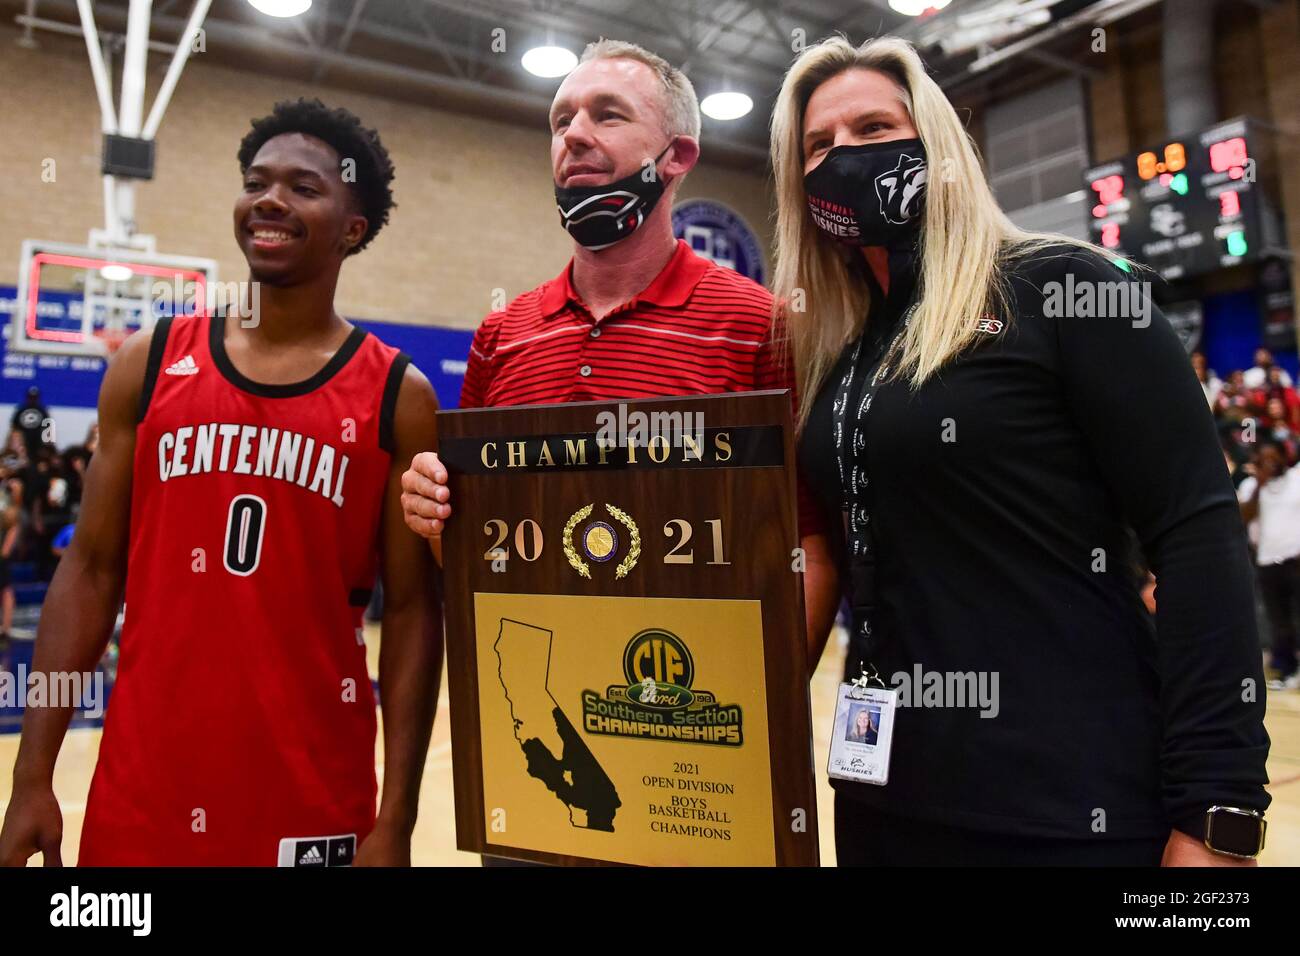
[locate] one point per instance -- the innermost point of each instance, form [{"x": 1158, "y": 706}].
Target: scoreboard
[{"x": 1186, "y": 207}]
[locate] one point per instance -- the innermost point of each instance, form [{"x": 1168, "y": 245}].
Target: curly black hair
[{"x": 342, "y": 130}]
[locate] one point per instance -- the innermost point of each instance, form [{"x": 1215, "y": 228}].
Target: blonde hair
[
  {"x": 966, "y": 238},
  {"x": 681, "y": 106}
]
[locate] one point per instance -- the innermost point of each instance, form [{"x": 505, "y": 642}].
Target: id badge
[{"x": 863, "y": 734}]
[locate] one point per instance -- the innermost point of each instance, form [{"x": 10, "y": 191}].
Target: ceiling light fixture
[
  {"x": 727, "y": 105},
  {"x": 914, "y": 8},
  {"x": 281, "y": 8},
  {"x": 549, "y": 61}
]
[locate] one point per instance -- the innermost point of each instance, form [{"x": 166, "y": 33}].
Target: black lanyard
[{"x": 857, "y": 390}]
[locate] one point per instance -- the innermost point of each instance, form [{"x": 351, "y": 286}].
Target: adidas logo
[
  {"x": 185, "y": 366},
  {"x": 312, "y": 856},
  {"x": 317, "y": 851}
]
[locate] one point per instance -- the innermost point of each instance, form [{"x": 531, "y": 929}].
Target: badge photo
[{"x": 863, "y": 734}]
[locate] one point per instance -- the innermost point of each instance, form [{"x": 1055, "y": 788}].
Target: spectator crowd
[
  {"x": 40, "y": 496},
  {"x": 1257, "y": 411}
]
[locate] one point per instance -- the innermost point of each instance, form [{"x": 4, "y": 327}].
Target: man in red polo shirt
[{"x": 636, "y": 313}]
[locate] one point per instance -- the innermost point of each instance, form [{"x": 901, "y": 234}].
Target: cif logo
[{"x": 659, "y": 669}]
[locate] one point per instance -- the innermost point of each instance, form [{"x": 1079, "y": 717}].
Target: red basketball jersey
[{"x": 241, "y": 729}]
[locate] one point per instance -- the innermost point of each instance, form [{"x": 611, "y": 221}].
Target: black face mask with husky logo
[
  {"x": 871, "y": 195},
  {"x": 599, "y": 216}
]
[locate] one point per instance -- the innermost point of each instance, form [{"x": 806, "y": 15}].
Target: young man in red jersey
[{"x": 248, "y": 477}]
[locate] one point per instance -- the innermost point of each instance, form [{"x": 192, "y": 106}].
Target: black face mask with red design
[
  {"x": 599, "y": 216},
  {"x": 870, "y": 195}
]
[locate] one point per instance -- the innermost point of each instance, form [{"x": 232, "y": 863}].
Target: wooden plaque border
[{"x": 759, "y": 500}]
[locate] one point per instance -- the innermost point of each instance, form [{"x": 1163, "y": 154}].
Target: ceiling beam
[
  {"x": 1063, "y": 63},
  {"x": 447, "y": 93},
  {"x": 583, "y": 22},
  {"x": 436, "y": 42},
  {"x": 358, "y": 8}
]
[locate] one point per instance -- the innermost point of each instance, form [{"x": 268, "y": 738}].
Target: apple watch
[{"x": 1233, "y": 831}]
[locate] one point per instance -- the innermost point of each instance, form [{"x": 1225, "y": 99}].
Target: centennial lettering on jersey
[{"x": 253, "y": 450}]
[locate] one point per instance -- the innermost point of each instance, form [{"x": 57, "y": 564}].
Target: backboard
[{"x": 84, "y": 300}]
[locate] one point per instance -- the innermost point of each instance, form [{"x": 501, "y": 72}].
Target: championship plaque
[{"x": 625, "y": 633}]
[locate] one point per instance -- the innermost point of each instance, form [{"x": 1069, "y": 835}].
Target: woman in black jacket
[{"x": 985, "y": 413}]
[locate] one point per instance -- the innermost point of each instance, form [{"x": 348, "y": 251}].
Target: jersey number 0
[{"x": 244, "y": 528}]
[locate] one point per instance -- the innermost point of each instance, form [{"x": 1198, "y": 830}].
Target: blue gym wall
[
  {"x": 1232, "y": 333},
  {"x": 70, "y": 384}
]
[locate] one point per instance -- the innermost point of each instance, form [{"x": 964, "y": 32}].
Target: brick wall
[{"x": 475, "y": 212}]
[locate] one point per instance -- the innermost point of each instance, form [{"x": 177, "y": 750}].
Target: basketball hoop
[{"x": 85, "y": 300}]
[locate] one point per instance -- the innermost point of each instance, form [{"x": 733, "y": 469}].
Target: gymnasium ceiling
[{"x": 441, "y": 51}]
